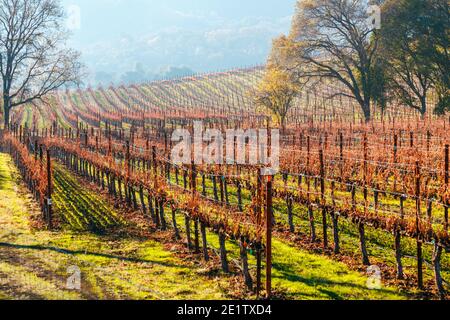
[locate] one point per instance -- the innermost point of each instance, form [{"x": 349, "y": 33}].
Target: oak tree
[{"x": 34, "y": 57}]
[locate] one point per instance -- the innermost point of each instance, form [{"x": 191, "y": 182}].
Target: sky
[{"x": 114, "y": 36}]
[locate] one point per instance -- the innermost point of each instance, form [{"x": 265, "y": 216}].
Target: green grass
[
  {"x": 34, "y": 263},
  {"x": 380, "y": 244},
  {"x": 308, "y": 276},
  {"x": 121, "y": 267},
  {"x": 79, "y": 208},
  {"x": 300, "y": 275}
]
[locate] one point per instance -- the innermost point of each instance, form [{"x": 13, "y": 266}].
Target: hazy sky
[{"x": 114, "y": 35}]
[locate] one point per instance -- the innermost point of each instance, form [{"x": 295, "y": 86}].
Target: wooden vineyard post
[
  {"x": 146, "y": 162},
  {"x": 446, "y": 181},
  {"x": 194, "y": 192},
  {"x": 397, "y": 240},
  {"x": 341, "y": 154},
  {"x": 322, "y": 199},
  {"x": 335, "y": 218},
  {"x": 258, "y": 222},
  {"x": 269, "y": 237},
  {"x": 419, "y": 243},
  {"x": 221, "y": 185},
  {"x": 395, "y": 158},
  {"x": 35, "y": 150},
  {"x": 438, "y": 249},
  {"x": 204, "y": 241},
  {"x": 127, "y": 168},
  {"x": 49, "y": 191},
  {"x": 193, "y": 180},
  {"x": 244, "y": 263},
  {"x": 308, "y": 183},
  {"x": 41, "y": 158},
  {"x": 361, "y": 228},
  {"x": 223, "y": 251},
  {"x": 155, "y": 167}
]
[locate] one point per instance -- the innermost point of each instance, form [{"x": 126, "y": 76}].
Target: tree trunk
[
  {"x": 366, "y": 110},
  {"x": 283, "y": 124},
  {"x": 423, "y": 106},
  {"x": 6, "y": 110}
]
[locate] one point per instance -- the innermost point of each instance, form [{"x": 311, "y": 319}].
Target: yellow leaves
[
  {"x": 307, "y": 4},
  {"x": 283, "y": 52},
  {"x": 273, "y": 81},
  {"x": 276, "y": 92},
  {"x": 277, "y": 83}
]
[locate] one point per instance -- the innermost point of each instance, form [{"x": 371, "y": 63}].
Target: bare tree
[
  {"x": 34, "y": 58},
  {"x": 333, "y": 40}
]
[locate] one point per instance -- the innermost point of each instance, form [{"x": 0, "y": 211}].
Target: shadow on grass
[
  {"x": 3, "y": 181},
  {"x": 286, "y": 273},
  {"x": 81, "y": 252}
]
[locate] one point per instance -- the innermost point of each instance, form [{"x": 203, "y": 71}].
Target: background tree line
[{"x": 401, "y": 58}]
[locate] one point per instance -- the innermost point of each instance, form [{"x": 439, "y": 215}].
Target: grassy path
[
  {"x": 36, "y": 264},
  {"x": 79, "y": 208}
]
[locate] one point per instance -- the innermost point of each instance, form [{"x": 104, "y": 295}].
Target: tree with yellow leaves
[
  {"x": 281, "y": 85},
  {"x": 277, "y": 92}
]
